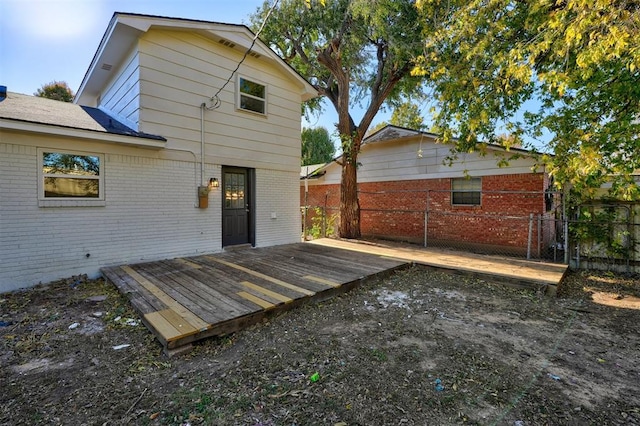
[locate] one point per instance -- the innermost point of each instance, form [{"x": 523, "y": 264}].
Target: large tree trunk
[{"x": 349, "y": 204}]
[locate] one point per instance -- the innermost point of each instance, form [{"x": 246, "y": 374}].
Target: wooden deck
[
  {"x": 513, "y": 271},
  {"x": 187, "y": 299}
]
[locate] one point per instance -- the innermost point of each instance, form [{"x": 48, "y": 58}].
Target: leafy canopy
[
  {"x": 578, "y": 60},
  {"x": 356, "y": 53},
  {"x": 317, "y": 146},
  {"x": 56, "y": 90}
]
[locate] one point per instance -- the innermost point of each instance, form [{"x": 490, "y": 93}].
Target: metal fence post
[
  {"x": 426, "y": 219},
  {"x": 540, "y": 239},
  {"x": 530, "y": 236}
]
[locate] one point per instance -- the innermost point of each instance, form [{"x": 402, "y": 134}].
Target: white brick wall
[
  {"x": 277, "y": 194},
  {"x": 150, "y": 213}
]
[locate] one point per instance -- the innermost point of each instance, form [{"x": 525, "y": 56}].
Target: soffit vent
[
  {"x": 227, "y": 43},
  {"x": 106, "y": 67},
  {"x": 254, "y": 54}
]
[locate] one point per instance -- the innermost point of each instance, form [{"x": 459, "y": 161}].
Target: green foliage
[
  {"x": 603, "y": 230},
  {"x": 56, "y": 90},
  {"x": 322, "y": 225},
  {"x": 407, "y": 114},
  {"x": 580, "y": 60},
  {"x": 317, "y": 146},
  {"x": 355, "y": 53}
]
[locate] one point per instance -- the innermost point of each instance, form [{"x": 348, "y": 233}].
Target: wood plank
[
  {"x": 263, "y": 276},
  {"x": 256, "y": 300},
  {"x": 169, "y": 280},
  {"x": 322, "y": 280},
  {"x": 161, "y": 326},
  {"x": 143, "y": 301},
  {"x": 197, "y": 285},
  {"x": 187, "y": 263},
  {"x": 267, "y": 292},
  {"x": 218, "y": 290},
  {"x": 178, "y": 322},
  {"x": 193, "y": 319}
]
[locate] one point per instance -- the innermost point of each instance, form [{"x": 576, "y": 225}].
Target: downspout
[
  {"x": 202, "y": 107},
  {"x": 204, "y": 189}
]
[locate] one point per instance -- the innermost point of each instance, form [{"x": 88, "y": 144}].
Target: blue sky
[{"x": 46, "y": 40}]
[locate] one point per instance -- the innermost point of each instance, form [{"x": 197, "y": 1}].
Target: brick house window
[
  {"x": 466, "y": 191},
  {"x": 70, "y": 177},
  {"x": 252, "y": 96}
]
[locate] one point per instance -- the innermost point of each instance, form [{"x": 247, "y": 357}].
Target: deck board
[{"x": 187, "y": 299}]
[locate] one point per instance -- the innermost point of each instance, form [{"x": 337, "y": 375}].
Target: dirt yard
[{"x": 417, "y": 348}]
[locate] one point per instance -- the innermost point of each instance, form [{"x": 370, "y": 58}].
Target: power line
[{"x": 215, "y": 101}]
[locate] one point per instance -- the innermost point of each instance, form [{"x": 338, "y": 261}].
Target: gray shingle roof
[{"x": 33, "y": 109}]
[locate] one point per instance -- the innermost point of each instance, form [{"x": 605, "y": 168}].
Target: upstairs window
[
  {"x": 466, "y": 191},
  {"x": 71, "y": 176},
  {"x": 252, "y": 96}
]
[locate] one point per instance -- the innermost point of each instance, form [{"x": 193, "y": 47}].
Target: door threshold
[{"x": 237, "y": 247}]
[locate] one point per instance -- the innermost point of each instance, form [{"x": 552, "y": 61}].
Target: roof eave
[
  {"x": 48, "y": 129},
  {"x": 124, "y": 28}
]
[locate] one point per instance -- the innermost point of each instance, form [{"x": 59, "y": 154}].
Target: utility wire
[{"x": 215, "y": 101}]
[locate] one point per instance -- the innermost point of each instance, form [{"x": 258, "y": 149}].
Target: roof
[
  {"x": 309, "y": 170},
  {"x": 388, "y": 133},
  {"x": 19, "y": 109},
  {"x": 392, "y": 133},
  {"x": 124, "y": 29}
]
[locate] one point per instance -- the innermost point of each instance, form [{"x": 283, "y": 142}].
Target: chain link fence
[
  {"x": 535, "y": 225},
  {"x": 515, "y": 223},
  {"x": 605, "y": 236}
]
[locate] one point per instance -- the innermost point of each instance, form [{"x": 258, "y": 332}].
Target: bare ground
[{"x": 417, "y": 348}]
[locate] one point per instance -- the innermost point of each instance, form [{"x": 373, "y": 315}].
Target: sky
[{"x": 54, "y": 40}]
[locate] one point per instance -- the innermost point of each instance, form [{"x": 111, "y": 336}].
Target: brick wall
[
  {"x": 396, "y": 210},
  {"x": 150, "y": 212}
]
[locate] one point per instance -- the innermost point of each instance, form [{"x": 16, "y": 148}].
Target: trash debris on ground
[
  {"x": 118, "y": 347},
  {"x": 553, "y": 376},
  {"x": 74, "y": 326},
  {"x": 315, "y": 377},
  {"x": 439, "y": 386},
  {"x": 100, "y": 298}
]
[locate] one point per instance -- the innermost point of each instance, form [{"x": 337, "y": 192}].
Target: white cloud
[{"x": 54, "y": 19}]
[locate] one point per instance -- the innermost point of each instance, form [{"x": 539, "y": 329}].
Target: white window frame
[
  {"x": 71, "y": 201},
  {"x": 239, "y": 95},
  {"x": 454, "y": 191}
]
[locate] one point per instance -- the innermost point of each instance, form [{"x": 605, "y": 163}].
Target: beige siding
[
  {"x": 179, "y": 71},
  {"x": 399, "y": 160},
  {"x": 121, "y": 97}
]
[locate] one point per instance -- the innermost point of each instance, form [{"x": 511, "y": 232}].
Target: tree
[
  {"x": 406, "y": 114},
  {"x": 317, "y": 146},
  {"x": 56, "y": 90},
  {"x": 579, "y": 60},
  {"x": 353, "y": 52}
]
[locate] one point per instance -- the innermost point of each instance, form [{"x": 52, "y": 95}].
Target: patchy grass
[{"x": 419, "y": 347}]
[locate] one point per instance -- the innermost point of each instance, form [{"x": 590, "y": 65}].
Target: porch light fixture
[{"x": 213, "y": 183}]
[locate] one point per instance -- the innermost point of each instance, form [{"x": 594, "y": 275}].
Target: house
[
  {"x": 494, "y": 201},
  {"x": 167, "y": 151}
]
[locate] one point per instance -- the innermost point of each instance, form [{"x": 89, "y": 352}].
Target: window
[
  {"x": 70, "y": 176},
  {"x": 466, "y": 191},
  {"x": 252, "y": 96}
]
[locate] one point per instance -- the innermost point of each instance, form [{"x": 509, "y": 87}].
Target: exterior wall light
[{"x": 213, "y": 183}]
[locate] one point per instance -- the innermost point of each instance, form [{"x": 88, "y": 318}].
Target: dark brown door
[{"x": 236, "y": 213}]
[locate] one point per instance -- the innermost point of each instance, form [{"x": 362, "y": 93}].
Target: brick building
[{"x": 406, "y": 181}]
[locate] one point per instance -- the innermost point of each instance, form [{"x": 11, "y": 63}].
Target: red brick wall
[{"x": 396, "y": 210}]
